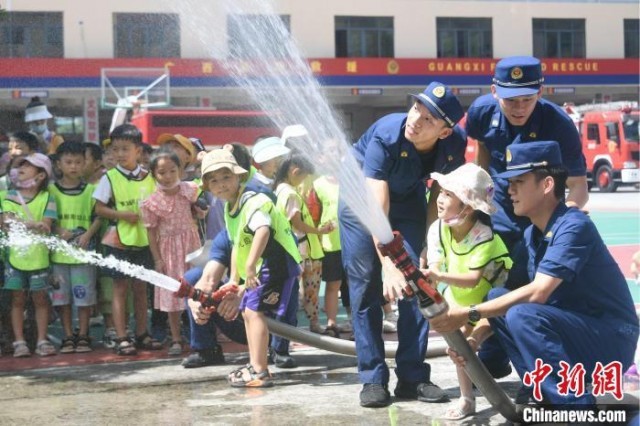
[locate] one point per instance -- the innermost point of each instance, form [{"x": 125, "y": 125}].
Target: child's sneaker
[
  {"x": 20, "y": 349},
  {"x": 108, "y": 339}
]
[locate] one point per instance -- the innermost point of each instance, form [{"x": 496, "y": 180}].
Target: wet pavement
[{"x": 322, "y": 390}]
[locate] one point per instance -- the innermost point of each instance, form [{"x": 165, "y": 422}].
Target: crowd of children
[{"x": 145, "y": 206}]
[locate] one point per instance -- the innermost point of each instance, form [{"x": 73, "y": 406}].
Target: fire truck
[
  {"x": 213, "y": 127},
  {"x": 609, "y": 135}
]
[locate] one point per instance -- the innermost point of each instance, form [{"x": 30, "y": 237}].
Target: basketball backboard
[{"x": 134, "y": 87}]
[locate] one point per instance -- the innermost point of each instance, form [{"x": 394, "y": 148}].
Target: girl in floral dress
[{"x": 172, "y": 233}]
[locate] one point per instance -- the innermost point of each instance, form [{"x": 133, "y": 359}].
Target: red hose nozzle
[
  {"x": 206, "y": 299},
  {"x": 416, "y": 281}
]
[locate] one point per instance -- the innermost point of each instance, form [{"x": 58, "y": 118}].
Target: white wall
[{"x": 312, "y": 23}]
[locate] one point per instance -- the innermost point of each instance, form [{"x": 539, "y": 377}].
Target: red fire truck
[
  {"x": 609, "y": 134},
  {"x": 213, "y": 127}
]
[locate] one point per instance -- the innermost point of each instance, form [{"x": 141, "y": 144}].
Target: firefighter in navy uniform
[
  {"x": 515, "y": 113},
  {"x": 397, "y": 153}
]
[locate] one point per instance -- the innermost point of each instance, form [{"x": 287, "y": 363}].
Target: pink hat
[
  {"x": 471, "y": 184},
  {"x": 37, "y": 160}
]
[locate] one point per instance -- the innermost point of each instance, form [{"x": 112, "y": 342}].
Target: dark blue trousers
[{"x": 363, "y": 270}]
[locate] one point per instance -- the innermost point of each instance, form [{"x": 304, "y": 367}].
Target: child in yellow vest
[
  {"x": 293, "y": 170},
  {"x": 465, "y": 253},
  {"x": 264, "y": 256},
  {"x": 78, "y": 225},
  {"x": 30, "y": 203},
  {"x": 118, "y": 197},
  {"x": 326, "y": 190}
]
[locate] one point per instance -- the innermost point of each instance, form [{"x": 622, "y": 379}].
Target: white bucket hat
[{"x": 471, "y": 184}]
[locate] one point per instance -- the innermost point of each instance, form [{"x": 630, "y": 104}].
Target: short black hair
[
  {"x": 147, "y": 149},
  {"x": 95, "y": 150},
  {"x": 241, "y": 154},
  {"x": 29, "y": 138},
  {"x": 559, "y": 175},
  {"x": 160, "y": 154},
  {"x": 73, "y": 148},
  {"x": 126, "y": 132},
  {"x": 293, "y": 160}
]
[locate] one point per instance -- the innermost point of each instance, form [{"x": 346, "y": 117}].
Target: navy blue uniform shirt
[
  {"x": 385, "y": 154},
  {"x": 487, "y": 124},
  {"x": 570, "y": 248}
]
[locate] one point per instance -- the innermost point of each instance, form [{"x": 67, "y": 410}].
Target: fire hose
[
  {"x": 345, "y": 347},
  {"x": 431, "y": 304}
]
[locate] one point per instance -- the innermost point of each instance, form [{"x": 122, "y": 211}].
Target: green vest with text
[
  {"x": 128, "y": 194},
  {"x": 242, "y": 237},
  {"x": 74, "y": 212},
  {"x": 36, "y": 256},
  {"x": 284, "y": 193}
]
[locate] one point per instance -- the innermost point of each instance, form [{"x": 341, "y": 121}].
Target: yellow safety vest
[
  {"x": 36, "y": 256},
  {"x": 242, "y": 237},
  {"x": 74, "y": 212},
  {"x": 328, "y": 194},
  {"x": 128, "y": 194},
  {"x": 283, "y": 193}
]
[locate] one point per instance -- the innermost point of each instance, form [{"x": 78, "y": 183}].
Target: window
[
  {"x": 246, "y": 38},
  {"x": 612, "y": 132},
  {"x": 146, "y": 35},
  {"x": 361, "y": 36},
  {"x": 558, "y": 38},
  {"x": 592, "y": 133},
  {"x": 631, "y": 44},
  {"x": 31, "y": 35},
  {"x": 69, "y": 126},
  {"x": 464, "y": 38}
]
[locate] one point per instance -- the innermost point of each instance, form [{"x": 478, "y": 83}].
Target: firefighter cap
[
  {"x": 518, "y": 76},
  {"x": 441, "y": 102},
  {"x": 525, "y": 157}
]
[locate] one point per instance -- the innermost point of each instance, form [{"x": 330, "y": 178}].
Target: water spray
[
  {"x": 20, "y": 238},
  {"x": 433, "y": 304}
]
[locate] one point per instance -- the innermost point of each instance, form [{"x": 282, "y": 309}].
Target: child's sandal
[
  {"x": 20, "y": 349},
  {"x": 146, "y": 342},
  {"x": 45, "y": 348},
  {"x": 461, "y": 409},
  {"x": 124, "y": 347},
  {"x": 332, "y": 331},
  {"x": 83, "y": 344},
  {"x": 246, "y": 377},
  {"x": 68, "y": 345}
]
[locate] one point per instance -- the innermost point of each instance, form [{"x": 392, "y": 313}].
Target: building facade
[{"x": 366, "y": 54}]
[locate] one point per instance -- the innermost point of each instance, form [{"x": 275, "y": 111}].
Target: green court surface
[
  {"x": 621, "y": 233},
  {"x": 618, "y": 228}
]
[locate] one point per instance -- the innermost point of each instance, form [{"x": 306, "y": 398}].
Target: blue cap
[
  {"x": 442, "y": 103},
  {"x": 527, "y": 156},
  {"x": 518, "y": 76}
]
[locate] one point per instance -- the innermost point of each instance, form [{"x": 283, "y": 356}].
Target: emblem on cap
[
  {"x": 508, "y": 155},
  {"x": 516, "y": 73},
  {"x": 438, "y": 92}
]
